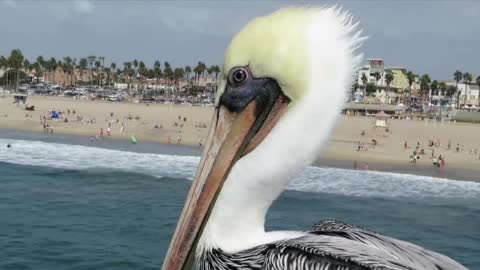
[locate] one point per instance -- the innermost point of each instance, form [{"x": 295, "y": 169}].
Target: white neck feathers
[{"x": 255, "y": 181}]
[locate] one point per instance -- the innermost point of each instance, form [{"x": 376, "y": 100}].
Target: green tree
[
  {"x": 38, "y": 70},
  {"x": 389, "y": 79},
  {"x": 4, "y": 65},
  {"x": 451, "y": 91},
  {"x": 442, "y": 87},
  {"x": 167, "y": 73},
  {"x": 157, "y": 71},
  {"x": 364, "y": 81},
  {"x": 457, "y": 76},
  {"x": 434, "y": 87},
  {"x": 113, "y": 66},
  {"x": 98, "y": 64},
  {"x": 27, "y": 67},
  {"x": 467, "y": 78},
  {"x": 216, "y": 70},
  {"x": 200, "y": 70},
  {"x": 477, "y": 80},
  {"x": 188, "y": 70},
  {"x": 411, "y": 80},
  {"x": 424, "y": 85},
  {"x": 377, "y": 77},
  {"x": 371, "y": 88},
  {"x": 82, "y": 65},
  {"x": 15, "y": 61},
  {"x": 91, "y": 61}
]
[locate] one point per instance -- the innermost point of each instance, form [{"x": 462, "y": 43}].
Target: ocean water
[{"x": 66, "y": 203}]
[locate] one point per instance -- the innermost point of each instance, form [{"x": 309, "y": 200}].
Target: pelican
[{"x": 284, "y": 80}]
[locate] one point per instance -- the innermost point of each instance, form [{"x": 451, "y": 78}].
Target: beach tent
[{"x": 54, "y": 115}]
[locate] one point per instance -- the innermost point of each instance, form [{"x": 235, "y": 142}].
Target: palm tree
[
  {"x": 68, "y": 67},
  {"x": 188, "y": 70},
  {"x": 26, "y": 66},
  {"x": 424, "y": 85},
  {"x": 477, "y": 80},
  {"x": 82, "y": 65},
  {"x": 442, "y": 86},
  {"x": 457, "y": 76},
  {"x": 467, "y": 78},
  {"x": 41, "y": 66},
  {"x": 167, "y": 72},
  {"x": 157, "y": 71},
  {"x": 113, "y": 66},
  {"x": 142, "y": 70},
  {"x": 91, "y": 60},
  {"x": 97, "y": 66},
  {"x": 107, "y": 71},
  {"x": 411, "y": 80},
  {"x": 38, "y": 70},
  {"x": 135, "y": 71},
  {"x": 15, "y": 60},
  {"x": 3, "y": 64},
  {"x": 216, "y": 70},
  {"x": 364, "y": 81},
  {"x": 377, "y": 77},
  {"x": 434, "y": 87},
  {"x": 178, "y": 73}
]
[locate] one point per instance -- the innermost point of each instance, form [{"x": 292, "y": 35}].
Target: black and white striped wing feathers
[{"x": 335, "y": 245}]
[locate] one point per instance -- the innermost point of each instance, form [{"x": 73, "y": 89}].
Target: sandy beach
[{"x": 188, "y": 125}]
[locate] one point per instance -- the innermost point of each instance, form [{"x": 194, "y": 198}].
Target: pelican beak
[{"x": 235, "y": 131}]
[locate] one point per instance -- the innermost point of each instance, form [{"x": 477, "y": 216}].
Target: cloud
[{"x": 83, "y": 6}]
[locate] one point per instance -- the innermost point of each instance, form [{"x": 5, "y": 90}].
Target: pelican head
[{"x": 284, "y": 79}]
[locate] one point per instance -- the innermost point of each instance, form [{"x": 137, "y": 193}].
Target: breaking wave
[{"x": 314, "y": 179}]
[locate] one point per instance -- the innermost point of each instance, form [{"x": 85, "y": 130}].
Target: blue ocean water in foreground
[{"x": 71, "y": 206}]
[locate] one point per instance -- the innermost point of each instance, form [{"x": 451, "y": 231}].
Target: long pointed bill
[{"x": 231, "y": 136}]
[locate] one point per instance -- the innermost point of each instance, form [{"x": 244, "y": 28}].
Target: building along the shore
[{"x": 390, "y": 94}]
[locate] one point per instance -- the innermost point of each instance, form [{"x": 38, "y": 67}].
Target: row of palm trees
[
  {"x": 427, "y": 85},
  {"x": 100, "y": 74}
]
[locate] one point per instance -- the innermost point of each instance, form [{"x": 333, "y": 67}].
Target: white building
[
  {"x": 472, "y": 92},
  {"x": 385, "y": 93}
]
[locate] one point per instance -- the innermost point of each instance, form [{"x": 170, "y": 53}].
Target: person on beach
[
  {"x": 442, "y": 161},
  {"x": 458, "y": 148},
  {"x": 405, "y": 145},
  {"x": 366, "y": 166},
  {"x": 122, "y": 128},
  {"x": 9, "y": 146},
  {"x": 109, "y": 131},
  {"x": 414, "y": 156}
]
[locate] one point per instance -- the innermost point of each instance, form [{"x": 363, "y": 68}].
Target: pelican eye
[{"x": 238, "y": 76}]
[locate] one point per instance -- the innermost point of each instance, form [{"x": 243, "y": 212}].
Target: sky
[{"x": 434, "y": 37}]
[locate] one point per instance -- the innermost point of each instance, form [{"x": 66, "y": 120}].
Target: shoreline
[
  {"x": 152, "y": 146},
  {"x": 351, "y": 140},
  {"x": 414, "y": 169}
]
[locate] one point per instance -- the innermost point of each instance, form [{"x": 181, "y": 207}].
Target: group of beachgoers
[
  {"x": 57, "y": 115},
  {"x": 361, "y": 146},
  {"x": 437, "y": 161}
]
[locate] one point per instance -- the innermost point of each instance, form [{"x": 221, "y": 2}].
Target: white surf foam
[{"x": 328, "y": 180}]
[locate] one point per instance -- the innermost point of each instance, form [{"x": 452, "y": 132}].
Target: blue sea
[{"x": 66, "y": 203}]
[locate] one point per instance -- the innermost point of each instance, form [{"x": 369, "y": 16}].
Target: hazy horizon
[{"x": 427, "y": 37}]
